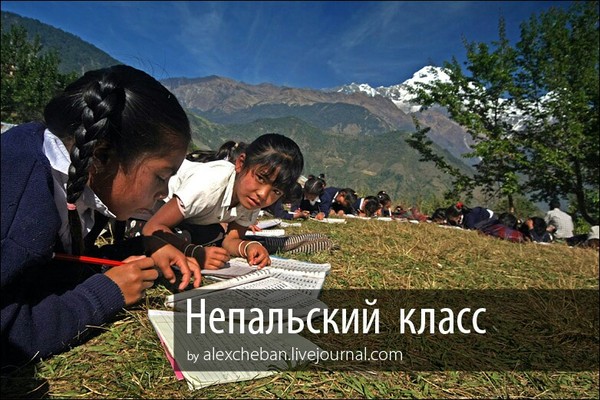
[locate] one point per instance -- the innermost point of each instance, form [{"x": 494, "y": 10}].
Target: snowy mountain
[{"x": 399, "y": 94}]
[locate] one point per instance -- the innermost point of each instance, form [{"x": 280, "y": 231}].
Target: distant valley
[{"x": 355, "y": 134}]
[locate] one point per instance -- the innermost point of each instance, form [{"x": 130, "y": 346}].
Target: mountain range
[{"x": 354, "y": 134}]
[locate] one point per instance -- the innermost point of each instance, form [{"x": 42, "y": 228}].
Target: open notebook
[
  {"x": 266, "y": 232},
  {"x": 268, "y": 288},
  {"x": 171, "y": 331},
  {"x": 239, "y": 266}
]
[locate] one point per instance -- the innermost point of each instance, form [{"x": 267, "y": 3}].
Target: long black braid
[{"x": 121, "y": 109}]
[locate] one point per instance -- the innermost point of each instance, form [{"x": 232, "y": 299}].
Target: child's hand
[
  {"x": 257, "y": 254},
  {"x": 320, "y": 216},
  {"x": 301, "y": 214},
  {"x": 134, "y": 277},
  {"x": 169, "y": 255},
  {"x": 255, "y": 228},
  {"x": 212, "y": 257}
]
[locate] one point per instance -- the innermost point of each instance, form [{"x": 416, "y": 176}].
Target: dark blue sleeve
[
  {"x": 474, "y": 217},
  {"x": 277, "y": 210},
  {"x": 327, "y": 200},
  {"x": 46, "y": 307}
]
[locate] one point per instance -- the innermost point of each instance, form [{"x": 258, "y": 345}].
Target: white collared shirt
[
  {"x": 205, "y": 191},
  {"x": 88, "y": 202}
]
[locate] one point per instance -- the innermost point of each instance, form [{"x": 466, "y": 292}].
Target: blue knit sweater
[{"x": 46, "y": 306}]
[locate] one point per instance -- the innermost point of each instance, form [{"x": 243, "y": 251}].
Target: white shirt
[
  {"x": 205, "y": 191},
  {"x": 88, "y": 202},
  {"x": 562, "y": 221}
]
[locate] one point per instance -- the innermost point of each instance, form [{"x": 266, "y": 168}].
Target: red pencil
[{"x": 87, "y": 260}]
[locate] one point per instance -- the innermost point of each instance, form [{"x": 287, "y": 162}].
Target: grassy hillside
[
  {"x": 127, "y": 360},
  {"x": 366, "y": 163},
  {"x": 357, "y": 121},
  {"x": 75, "y": 54}
]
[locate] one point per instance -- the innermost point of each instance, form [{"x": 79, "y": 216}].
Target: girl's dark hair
[
  {"x": 456, "y": 209},
  {"x": 371, "y": 204},
  {"x": 117, "y": 111},
  {"x": 350, "y": 197},
  {"x": 273, "y": 152},
  {"x": 383, "y": 198},
  {"x": 439, "y": 215},
  {"x": 294, "y": 195},
  {"x": 314, "y": 186},
  {"x": 508, "y": 219},
  {"x": 229, "y": 151},
  {"x": 322, "y": 177},
  {"x": 539, "y": 225}
]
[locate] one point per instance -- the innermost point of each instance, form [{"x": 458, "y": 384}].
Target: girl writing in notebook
[
  {"x": 107, "y": 147},
  {"x": 212, "y": 193}
]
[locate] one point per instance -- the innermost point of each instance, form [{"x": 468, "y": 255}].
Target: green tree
[
  {"x": 481, "y": 103},
  {"x": 532, "y": 109},
  {"x": 558, "y": 80},
  {"x": 461, "y": 183},
  {"x": 29, "y": 78}
]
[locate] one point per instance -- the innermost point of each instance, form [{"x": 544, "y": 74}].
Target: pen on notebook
[{"x": 86, "y": 260}]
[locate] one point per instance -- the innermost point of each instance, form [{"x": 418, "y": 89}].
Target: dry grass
[{"x": 127, "y": 361}]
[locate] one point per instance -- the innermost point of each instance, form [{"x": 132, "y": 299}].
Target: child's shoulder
[{"x": 212, "y": 168}]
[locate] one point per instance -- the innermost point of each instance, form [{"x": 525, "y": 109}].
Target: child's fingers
[{"x": 133, "y": 258}]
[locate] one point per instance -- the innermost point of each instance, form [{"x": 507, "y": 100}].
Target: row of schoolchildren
[
  {"x": 555, "y": 226},
  {"x": 317, "y": 200}
]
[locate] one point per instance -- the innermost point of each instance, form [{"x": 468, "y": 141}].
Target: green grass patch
[{"x": 126, "y": 359}]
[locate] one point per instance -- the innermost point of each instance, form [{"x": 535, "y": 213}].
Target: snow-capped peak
[{"x": 400, "y": 94}]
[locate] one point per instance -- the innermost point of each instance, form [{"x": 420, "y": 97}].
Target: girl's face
[
  {"x": 311, "y": 196},
  {"x": 254, "y": 188},
  {"x": 454, "y": 220},
  {"x": 125, "y": 192}
]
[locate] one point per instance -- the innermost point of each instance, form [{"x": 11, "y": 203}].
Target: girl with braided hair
[
  {"x": 204, "y": 195},
  {"x": 108, "y": 146}
]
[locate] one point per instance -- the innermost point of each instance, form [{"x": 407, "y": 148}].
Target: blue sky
[{"x": 297, "y": 44}]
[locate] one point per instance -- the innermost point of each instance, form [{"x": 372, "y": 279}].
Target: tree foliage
[
  {"x": 29, "y": 78},
  {"x": 531, "y": 109},
  {"x": 558, "y": 77}
]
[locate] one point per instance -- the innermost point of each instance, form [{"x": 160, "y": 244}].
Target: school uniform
[
  {"x": 476, "y": 216},
  {"x": 313, "y": 208},
  {"x": 46, "y": 306},
  {"x": 322, "y": 204},
  {"x": 276, "y": 210},
  {"x": 358, "y": 205},
  {"x": 562, "y": 221},
  {"x": 328, "y": 200},
  {"x": 205, "y": 193}
]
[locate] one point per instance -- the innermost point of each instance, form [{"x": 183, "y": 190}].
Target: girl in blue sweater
[{"x": 108, "y": 146}]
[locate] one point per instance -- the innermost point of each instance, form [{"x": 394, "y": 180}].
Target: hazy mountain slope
[
  {"x": 356, "y": 139},
  {"x": 76, "y": 55},
  {"x": 366, "y": 163}
]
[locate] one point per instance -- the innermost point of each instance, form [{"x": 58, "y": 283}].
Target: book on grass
[
  {"x": 239, "y": 266},
  {"x": 268, "y": 223},
  {"x": 284, "y": 224},
  {"x": 294, "y": 292},
  {"x": 190, "y": 352},
  {"x": 267, "y": 233},
  {"x": 330, "y": 220}
]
